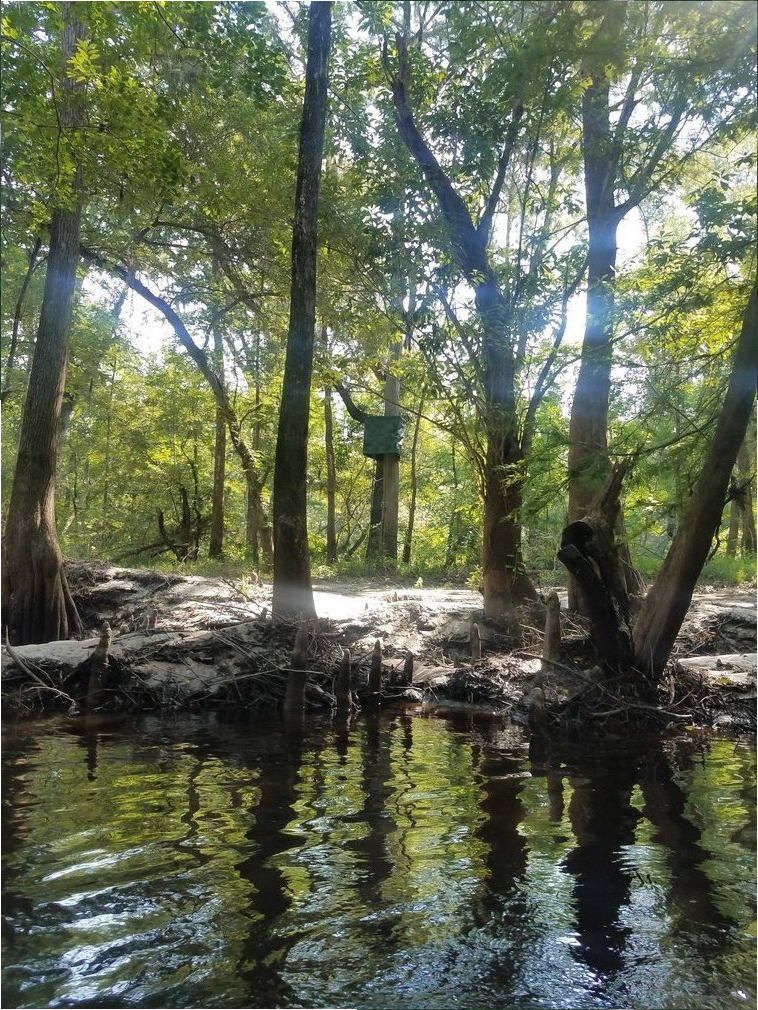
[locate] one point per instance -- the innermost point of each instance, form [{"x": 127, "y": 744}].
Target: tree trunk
[
  {"x": 408, "y": 542},
  {"x": 665, "y": 606},
  {"x": 331, "y": 478},
  {"x": 591, "y": 555},
  {"x": 216, "y": 543},
  {"x": 391, "y": 465},
  {"x": 252, "y": 554},
  {"x": 376, "y": 518},
  {"x": 37, "y": 606},
  {"x": 292, "y": 590},
  {"x": 505, "y": 582},
  {"x": 588, "y": 461},
  {"x": 259, "y": 539},
  {"x": 105, "y": 508},
  {"x": 746, "y": 472},
  {"x": 735, "y": 514}
]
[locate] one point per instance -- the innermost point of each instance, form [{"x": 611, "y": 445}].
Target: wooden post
[
  {"x": 294, "y": 696},
  {"x": 475, "y": 641},
  {"x": 375, "y": 673},
  {"x": 551, "y": 646},
  {"x": 342, "y": 687}
]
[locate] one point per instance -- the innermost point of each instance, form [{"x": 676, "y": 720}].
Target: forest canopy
[{"x": 535, "y": 254}]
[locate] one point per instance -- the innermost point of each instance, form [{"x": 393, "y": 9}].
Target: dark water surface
[{"x": 407, "y": 862}]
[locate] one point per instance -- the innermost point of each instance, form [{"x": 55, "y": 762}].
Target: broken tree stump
[
  {"x": 294, "y": 696},
  {"x": 551, "y": 645}
]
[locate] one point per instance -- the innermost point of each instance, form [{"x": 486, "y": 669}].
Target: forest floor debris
[{"x": 193, "y": 641}]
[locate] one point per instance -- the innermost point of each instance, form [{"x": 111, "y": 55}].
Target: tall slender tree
[{"x": 292, "y": 591}]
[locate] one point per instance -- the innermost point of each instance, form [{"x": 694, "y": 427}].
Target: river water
[{"x": 403, "y": 861}]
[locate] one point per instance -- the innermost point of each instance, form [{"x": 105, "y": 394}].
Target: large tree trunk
[
  {"x": 292, "y": 590},
  {"x": 591, "y": 555},
  {"x": 504, "y": 578},
  {"x": 665, "y": 606},
  {"x": 588, "y": 461},
  {"x": 37, "y": 606}
]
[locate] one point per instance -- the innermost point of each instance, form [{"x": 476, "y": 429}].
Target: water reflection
[{"x": 380, "y": 861}]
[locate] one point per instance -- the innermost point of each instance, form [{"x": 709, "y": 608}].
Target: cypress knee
[
  {"x": 99, "y": 663},
  {"x": 294, "y": 696},
  {"x": 551, "y": 646},
  {"x": 407, "y": 676},
  {"x": 375, "y": 673},
  {"x": 342, "y": 687},
  {"x": 475, "y": 641}
]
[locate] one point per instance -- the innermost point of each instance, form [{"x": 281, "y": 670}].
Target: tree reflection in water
[{"x": 383, "y": 860}]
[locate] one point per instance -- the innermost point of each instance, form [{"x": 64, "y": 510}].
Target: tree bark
[
  {"x": 735, "y": 514},
  {"x": 37, "y": 606},
  {"x": 746, "y": 472},
  {"x": 666, "y": 605},
  {"x": 588, "y": 462},
  {"x": 376, "y": 516},
  {"x": 391, "y": 465},
  {"x": 590, "y": 554},
  {"x": 216, "y": 542},
  {"x": 292, "y": 590},
  {"x": 331, "y": 469},
  {"x": 408, "y": 542}
]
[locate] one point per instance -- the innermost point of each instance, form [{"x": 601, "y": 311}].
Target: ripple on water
[{"x": 423, "y": 866}]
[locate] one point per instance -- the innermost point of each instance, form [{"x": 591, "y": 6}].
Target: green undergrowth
[{"x": 720, "y": 570}]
